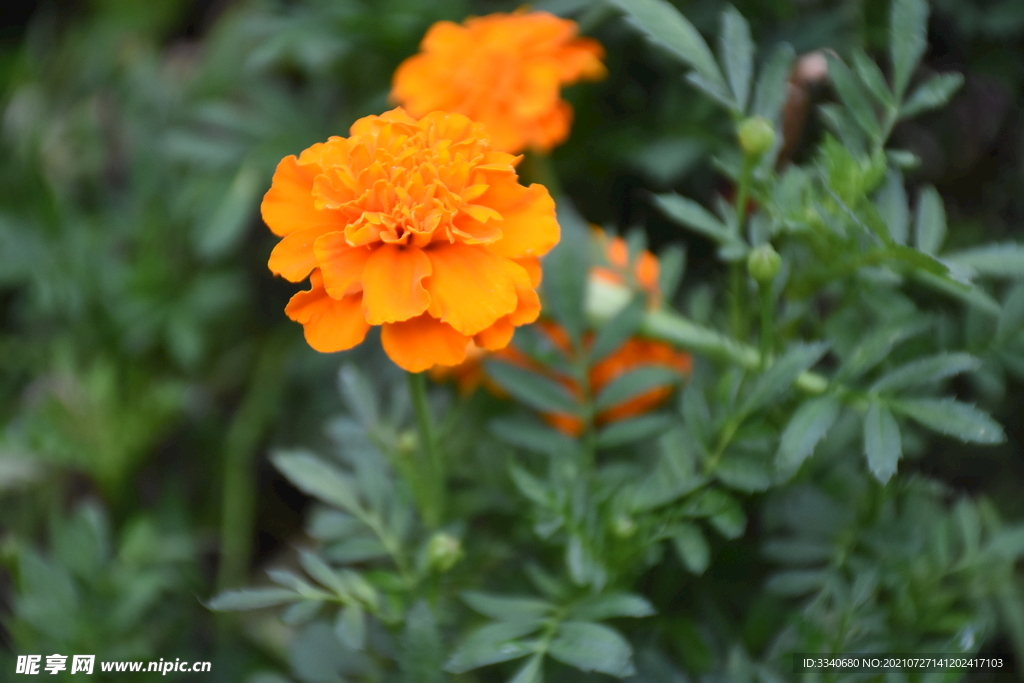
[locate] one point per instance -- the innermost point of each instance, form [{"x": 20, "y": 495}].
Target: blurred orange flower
[
  {"x": 633, "y": 354},
  {"x": 418, "y": 226},
  {"x": 504, "y": 70}
]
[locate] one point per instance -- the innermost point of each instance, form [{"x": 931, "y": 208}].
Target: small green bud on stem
[
  {"x": 756, "y": 135},
  {"x": 763, "y": 264},
  {"x": 443, "y": 552}
]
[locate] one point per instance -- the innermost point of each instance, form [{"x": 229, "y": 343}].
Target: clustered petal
[
  {"x": 504, "y": 70},
  {"x": 416, "y": 225}
]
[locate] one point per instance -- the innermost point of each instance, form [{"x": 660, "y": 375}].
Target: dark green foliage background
[{"x": 143, "y": 347}]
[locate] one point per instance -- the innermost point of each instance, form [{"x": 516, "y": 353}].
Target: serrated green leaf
[
  {"x": 930, "y": 222},
  {"x": 744, "y": 472},
  {"x": 301, "y": 612},
  {"x": 796, "y": 582},
  {"x": 805, "y": 429},
  {"x": 507, "y": 608},
  {"x": 877, "y": 346},
  {"x": 635, "y": 429},
  {"x": 635, "y": 383},
  {"x": 932, "y": 94},
  {"x": 691, "y": 547},
  {"x": 871, "y": 76},
  {"x": 1011, "y": 317},
  {"x": 610, "y": 606},
  {"x": 948, "y": 416},
  {"x": 592, "y": 647},
  {"x": 251, "y": 598},
  {"x": 535, "y": 391},
  {"x": 672, "y": 267},
  {"x": 781, "y": 375},
  {"x": 531, "y": 435},
  {"x": 882, "y": 444},
  {"x": 736, "y": 53},
  {"x": 350, "y": 627},
  {"x": 996, "y": 260},
  {"x": 614, "y": 333},
  {"x": 692, "y": 215},
  {"x": 770, "y": 92},
  {"x": 491, "y": 644},
  {"x": 908, "y": 38},
  {"x": 359, "y": 396},
  {"x": 319, "y": 479},
  {"x": 319, "y": 570},
  {"x": 918, "y": 259},
  {"x": 853, "y": 96},
  {"x": 716, "y": 92},
  {"x": 421, "y": 657},
  {"x": 530, "y": 486},
  {"x": 891, "y": 202},
  {"x": 730, "y": 522},
  {"x": 665, "y": 25},
  {"x": 925, "y": 371}
]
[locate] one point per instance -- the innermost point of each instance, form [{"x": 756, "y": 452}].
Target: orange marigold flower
[
  {"x": 504, "y": 70},
  {"x": 418, "y": 226},
  {"x": 614, "y": 266}
]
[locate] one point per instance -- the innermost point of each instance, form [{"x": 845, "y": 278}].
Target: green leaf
[
  {"x": 806, "y": 428},
  {"x": 932, "y": 94},
  {"x": 882, "y": 444},
  {"x": 995, "y": 260},
  {"x": 930, "y": 222},
  {"x": 251, "y": 598},
  {"x": 621, "y": 327},
  {"x": 565, "y": 269},
  {"x": 952, "y": 418},
  {"x": 227, "y": 224},
  {"x": 672, "y": 267},
  {"x": 635, "y": 383},
  {"x": 770, "y": 92},
  {"x": 531, "y": 672},
  {"x": 422, "y": 651},
  {"x": 781, "y": 375},
  {"x": 359, "y": 396},
  {"x": 535, "y": 391},
  {"x": 665, "y": 25},
  {"x": 853, "y": 97},
  {"x": 691, "y": 547},
  {"x": 1011, "y": 316},
  {"x": 871, "y": 76},
  {"x": 507, "y": 608},
  {"x": 313, "y": 476},
  {"x": 877, "y": 346},
  {"x": 796, "y": 582},
  {"x": 736, "y": 53},
  {"x": 918, "y": 259},
  {"x": 319, "y": 570},
  {"x": 491, "y": 644},
  {"x": 925, "y": 371},
  {"x": 530, "y": 486},
  {"x": 592, "y": 647},
  {"x": 745, "y": 472},
  {"x": 301, "y": 612},
  {"x": 891, "y": 202},
  {"x": 350, "y": 627},
  {"x": 635, "y": 429},
  {"x": 611, "y": 605},
  {"x": 730, "y": 522},
  {"x": 691, "y": 214},
  {"x": 908, "y": 34},
  {"x": 532, "y": 435}
]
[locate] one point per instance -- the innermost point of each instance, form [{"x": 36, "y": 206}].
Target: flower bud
[
  {"x": 407, "y": 442},
  {"x": 623, "y": 526},
  {"x": 763, "y": 264},
  {"x": 443, "y": 552},
  {"x": 757, "y": 135}
]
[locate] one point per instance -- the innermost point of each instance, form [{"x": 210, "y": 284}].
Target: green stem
[
  {"x": 767, "y": 323},
  {"x": 240, "y": 446},
  {"x": 432, "y": 507},
  {"x": 736, "y": 280}
]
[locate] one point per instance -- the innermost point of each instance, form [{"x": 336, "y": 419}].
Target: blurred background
[{"x": 143, "y": 346}]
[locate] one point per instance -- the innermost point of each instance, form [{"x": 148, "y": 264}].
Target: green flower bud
[
  {"x": 757, "y": 135},
  {"x": 443, "y": 552},
  {"x": 763, "y": 264},
  {"x": 623, "y": 526},
  {"x": 407, "y": 442}
]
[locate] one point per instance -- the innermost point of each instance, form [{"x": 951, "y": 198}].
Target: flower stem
[
  {"x": 766, "y": 323},
  {"x": 432, "y": 507},
  {"x": 736, "y": 317}
]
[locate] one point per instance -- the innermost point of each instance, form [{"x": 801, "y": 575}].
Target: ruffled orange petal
[
  {"x": 529, "y": 228},
  {"x": 340, "y": 264},
  {"x": 527, "y": 300},
  {"x": 288, "y": 205},
  {"x": 470, "y": 286},
  {"x": 393, "y": 284},
  {"x": 497, "y": 336},
  {"x": 328, "y": 324},
  {"x": 423, "y": 342},
  {"x": 294, "y": 258}
]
